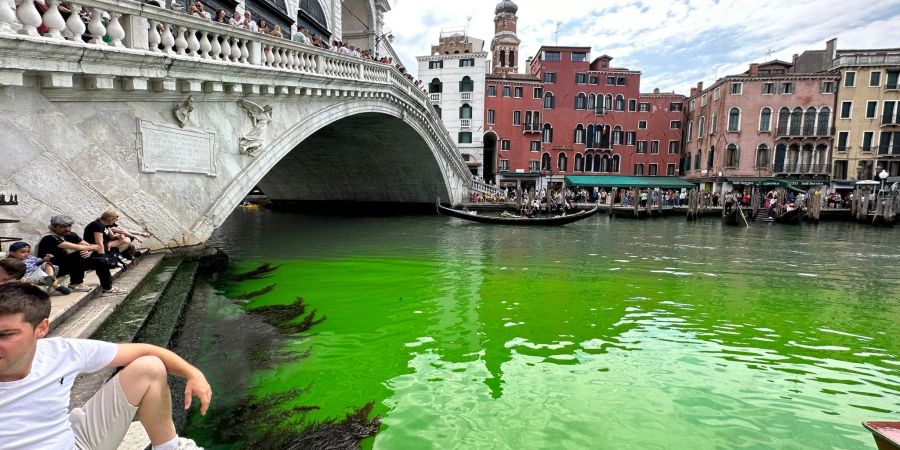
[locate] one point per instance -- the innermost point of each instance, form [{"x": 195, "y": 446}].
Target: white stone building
[{"x": 454, "y": 75}]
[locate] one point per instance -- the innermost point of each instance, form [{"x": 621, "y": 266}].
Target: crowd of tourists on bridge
[{"x": 102, "y": 246}]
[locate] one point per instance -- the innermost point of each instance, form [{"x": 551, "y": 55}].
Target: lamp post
[
  {"x": 883, "y": 175},
  {"x": 386, "y": 35}
]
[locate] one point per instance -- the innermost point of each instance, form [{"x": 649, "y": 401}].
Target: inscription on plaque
[{"x": 163, "y": 148}]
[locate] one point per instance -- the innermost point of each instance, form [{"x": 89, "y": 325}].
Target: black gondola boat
[
  {"x": 792, "y": 217},
  {"x": 732, "y": 217},
  {"x": 517, "y": 220}
]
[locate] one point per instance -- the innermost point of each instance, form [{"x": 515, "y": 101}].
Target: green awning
[
  {"x": 774, "y": 182},
  {"x": 627, "y": 182},
  {"x": 520, "y": 174}
]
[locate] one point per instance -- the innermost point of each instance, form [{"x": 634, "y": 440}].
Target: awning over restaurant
[
  {"x": 628, "y": 182},
  {"x": 520, "y": 174},
  {"x": 775, "y": 182}
]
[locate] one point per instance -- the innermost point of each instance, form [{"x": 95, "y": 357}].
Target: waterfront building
[
  {"x": 455, "y": 77},
  {"x": 867, "y": 127},
  {"x": 774, "y": 120}
]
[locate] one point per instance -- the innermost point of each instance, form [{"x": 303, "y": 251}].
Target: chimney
[
  {"x": 754, "y": 69},
  {"x": 693, "y": 92},
  {"x": 830, "y": 53},
  {"x": 699, "y": 87},
  {"x": 796, "y": 57}
]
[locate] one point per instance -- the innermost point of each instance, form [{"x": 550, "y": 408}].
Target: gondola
[
  {"x": 732, "y": 217},
  {"x": 886, "y": 434},
  {"x": 518, "y": 220},
  {"x": 792, "y": 217}
]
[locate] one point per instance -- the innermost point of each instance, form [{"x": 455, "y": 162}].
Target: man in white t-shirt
[{"x": 36, "y": 375}]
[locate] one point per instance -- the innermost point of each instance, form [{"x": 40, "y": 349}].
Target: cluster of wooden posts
[{"x": 876, "y": 206}]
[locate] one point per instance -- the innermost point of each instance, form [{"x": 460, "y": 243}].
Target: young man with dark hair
[
  {"x": 11, "y": 269},
  {"x": 37, "y": 373}
]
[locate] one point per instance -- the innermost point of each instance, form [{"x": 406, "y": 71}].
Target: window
[
  {"x": 435, "y": 64},
  {"x": 762, "y": 156},
  {"x": 716, "y": 93},
  {"x": 610, "y": 81},
  {"x": 890, "y": 112},
  {"x": 734, "y": 120},
  {"x": 875, "y": 78},
  {"x": 674, "y": 147},
  {"x": 435, "y": 87},
  {"x": 465, "y": 137},
  {"x": 504, "y": 144},
  {"x": 641, "y": 147},
  {"x": 732, "y": 156},
  {"x": 467, "y": 62},
  {"x": 535, "y": 146},
  {"x": 492, "y": 91},
  {"x": 768, "y": 88},
  {"x": 465, "y": 111},
  {"x": 579, "y": 134},
  {"x": 737, "y": 88},
  {"x": 690, "y": 131},
  {"x": 796, "y": 118},
  {"x": 824, "y": 121},
  {"x": 843, "y": 137},
  {"x": 697, "y": 163},
  {"x": 630, "y": 136},
  {"x": 644, "y": 107},
  {"x": 889, "y": 143},
  {"x": 868, "y": 136},
  {"x": 642, "y": 124},
  {"x": 550, "y": 77},
  {"x": 765, "y": 120},
  {"x": 787, "y": 88},
  {"x": 710, "y": 156},
  {"x": 538, "y": 92},
  {"x": 545, "y": 161},
  {"x": 828, "y": 87},
  {"x": 581, "y": 78},
  {"x": 670, "y": 170},
  {"x": 532, "y": 120},
  {"x": 621, "y": 81},
  {"x": 701, "y": 128},
  {"x": 552, "y": 56},
  {"x": 691, "y": 107},
  {"x": 653, "y": 169},
  {"x": 676, "y": 107},
  {"x": 534, "y": 165},
  {"x": 617, "y": 135},
  {"x": 491, "y": 116},
  {"x": 654, "y": 147},
  {"x": 620, "y": 103},
  {"x": 871, "y": 109},
  {"x": 579, "y": 162},
  {"x": 549, "y": 101},
  {"x": 581, "y": 101},
  {"x": 714, "y": 124},
  {"x": 579, "y": 57},
  {"x": 703, "y": 100},
  {"x": 675, "y": 125},
  {"x": 517, "y": 92},
  {"x": 517, "y": 117},
  {"x": 504, "y": 165},
  {"x": 893, "y": 80},
  {"x": 562, "y": 162},
  {"x": 850, "y": 79},
  {"x": 506, "y": 91},
  {"x": 809, "y": 122},
  {"x": 595, "y": 80},
  {"x": 547, "y": 133},
  {"x": 638, "y": 169},
  {"x": 632, "y": 105},
  {"x": 466, "y": 85},
  {"x": 846, "y": 109}
]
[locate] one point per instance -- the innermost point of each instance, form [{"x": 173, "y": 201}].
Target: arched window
[
  {"x": 690, "y": 131},
  {"x": 779, "y": 158},
  {"x": 687, "y": 163},
  {"x": 579, "y": 162},
  {"x": 435, "y": 87},
  {"x": 465, "y": 111},
  {"x": 793, "y": 158},
  {"x": 732, "y": 156},
  {"x": 562, "y": 162},
  {"x": 588, "y": 163},
  {"x": 615, "y": 164},
  {"x": 502, "y": 58},
  {"x": 784, "y": 119},
  {"x": 796, "y": 118},
  {"x": 710, "y": 157},
  {"x": 579, "y": 134},
  {"x": 821, "y": 158},
  {"x": 547, "y": 133},
  {"x": 598, "y": 164},
  {"x": 607, "y": 106},
  {"x": 620, "y": 103},
  {"x": 765, "y": 120},
  {"x": 701, "y": 127},
  {"x": 697, "y": 160},
  {"x": 591, "y": 141},
  {"x": 549, "y": 101},
  {"x": 824, "y": 121},
  {"x": 545, "y": 161},
  {"x": 617, "y": 135},
  {"x": 714, "y": 123},
  {"x": 806, "y": 158},
  {"x": 581, "y": 101},
  {"x": 592, "y": 102},
  {"x": 604, "y": 131},
  {"x": 512, "y": 58},
  {"x": 809, "y": 122},
  {"x": 466, "y": 85},
  {"x": 734, "y": 119},
  {"x": 762, "y": 156}
]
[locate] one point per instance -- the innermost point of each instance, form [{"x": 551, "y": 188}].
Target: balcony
[
  {"x": 435, "y": 98},
  {"x": 802, "y": 169},
  {"x": 465, "y": 124},
  {"x": 465, "y": 96}
]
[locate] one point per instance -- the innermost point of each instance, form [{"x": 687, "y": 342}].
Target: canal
[{"x": 600, "y": 334}]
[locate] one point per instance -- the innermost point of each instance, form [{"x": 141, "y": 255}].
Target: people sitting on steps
[
  {"x": 73, "y": 256},
  {"x": 37, "y": 374},
  {"x": 116, "y": 240},
  {"x": 40, "y": 271}
]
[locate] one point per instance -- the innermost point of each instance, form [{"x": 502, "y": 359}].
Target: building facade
[{"x": 867, "y": 128}]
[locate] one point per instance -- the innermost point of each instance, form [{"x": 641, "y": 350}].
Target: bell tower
[{"x": 505, "y": 45}]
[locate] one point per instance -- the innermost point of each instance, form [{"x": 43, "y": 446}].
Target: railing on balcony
[
  {"x": 465, "y": 96},
  {"x": 532, "y": 128},
  {"x": 435, "y": 97},
  {"x": 867, "y": 60},
  {"x": 802, "y": 169},
  {"x": 465, "y": 124}
]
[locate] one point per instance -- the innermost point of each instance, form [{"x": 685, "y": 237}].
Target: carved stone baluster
[
  {"x": 168, "y": 40},
  {"x": 270, "y": 58},
  {"x": 245, "y": 52},
  {"x": 236, "y": 50},
  {"x": 153, "y": 37},
  {"x": 204, "y": 44},
  {"x": 193, "y": 44},
  {"x": 215, "y": 49},
  {"x": 96, "y": 27},
  {"x": 7, "y": 18},
  {"x": 54, "y": 20},
  {"x": 226, "y": 49},
  {"x": 74, "y": 22},
  {"x": 115, "y": 30},
  {"x": 180, "y": 41},
  {"x": 294, "y": 59},
  {"x": 276, "y": 57},
  {"x": 29, "y": 17}
]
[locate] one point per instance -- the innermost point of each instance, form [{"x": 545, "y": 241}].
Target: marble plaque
[{"x": 164, "y": 148}]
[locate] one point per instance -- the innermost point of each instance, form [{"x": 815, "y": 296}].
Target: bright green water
[{"x": 600, "y": 334}]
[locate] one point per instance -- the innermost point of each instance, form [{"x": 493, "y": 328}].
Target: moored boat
[
  {"x": 517, "y": 220},
  {"x": 886, "y": 434},
  {"x": 792, "y": 217},
  {"x": 732, "y": 217}
]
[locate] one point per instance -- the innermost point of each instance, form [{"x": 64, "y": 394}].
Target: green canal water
[{"x": 602, "y": 334}]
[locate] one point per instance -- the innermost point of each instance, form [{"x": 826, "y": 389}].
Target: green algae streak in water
[{"x": 601, "y": 334}]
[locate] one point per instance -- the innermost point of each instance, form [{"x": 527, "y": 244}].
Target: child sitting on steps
[{"x": 37, "y": 271}]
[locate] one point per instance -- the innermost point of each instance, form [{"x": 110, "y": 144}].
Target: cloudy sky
[{"x": 675, "y": 43}]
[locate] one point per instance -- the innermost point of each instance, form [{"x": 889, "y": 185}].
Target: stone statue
[
  {"x": 251, "y": 143},
  {"x": 183, "y": 111}
]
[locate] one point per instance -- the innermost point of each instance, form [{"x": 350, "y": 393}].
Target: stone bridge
[{"x": 172, "y": 120}]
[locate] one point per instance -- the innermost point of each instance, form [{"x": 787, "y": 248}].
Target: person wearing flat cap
[{"x": 73, "y": 256}]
